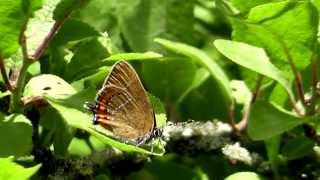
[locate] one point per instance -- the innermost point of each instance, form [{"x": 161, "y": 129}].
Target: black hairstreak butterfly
[{"x": 123, "y": 107}]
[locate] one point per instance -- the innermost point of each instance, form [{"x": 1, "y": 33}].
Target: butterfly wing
[{"x": 128, "y": 111}]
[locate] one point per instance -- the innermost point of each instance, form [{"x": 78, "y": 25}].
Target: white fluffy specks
[
  {"x": 238, "y": 153},
  {"x": 207, "y": 136}
]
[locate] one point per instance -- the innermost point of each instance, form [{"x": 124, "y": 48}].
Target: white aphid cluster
[
  {"x": 208, "y": 135},
  {"x": 238, "y": 153}
]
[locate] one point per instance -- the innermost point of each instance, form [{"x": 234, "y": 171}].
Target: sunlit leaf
[
  {"x": 10, "y": 170},
  {"x": 253, "y": 58}
]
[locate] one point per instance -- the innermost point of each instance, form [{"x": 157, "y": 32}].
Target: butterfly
[{"x": 122, "y": 106}]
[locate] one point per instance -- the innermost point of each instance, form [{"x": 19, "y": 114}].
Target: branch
[
  {"x": 55, "y": 28},
  {"x": 244, "y": 122}
]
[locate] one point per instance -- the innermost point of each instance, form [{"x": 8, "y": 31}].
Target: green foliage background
[{"x": 198, "y": 59}]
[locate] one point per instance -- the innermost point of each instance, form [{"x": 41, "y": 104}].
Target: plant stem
[
  {"x": 244, "y": 121},
  {"x": 15, "y": 105},
  {"x": 4, "y": 75},
  {"x": 297, "y": 75},
  {"x": 311, "y": 109},
  {"x": 57, "y": 25}
]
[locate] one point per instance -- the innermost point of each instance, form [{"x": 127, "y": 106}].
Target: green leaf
[
  {"x": 245, "y": 175},
  {"x": 134, "y": 56},
  {"x": 95, "y": 80},
  {"x": 106, "y": 19},
  {"x": 4, "y": 94},
  {"x": 141, "y": 21},
  {"x": 87, "y": 58},
  {"x": 205, "y": 102},
  {"x": 172, "y": 169},
  {"x": 273, "y": 148},
  {"x": 200, "y": 77},
  {"x": 253, "y": 58},
  {"x": 48, "y": 85},
  {"x": 281, "y": 28},
  {"x": 67, "y": 32},
  {"x": 267, "y": 120},
  {"x": 173, "y": 73},
  {"x": 15, "y": 136},
  {"x": 245, "y": 5},
  {"x": 59, "y": 133},
  {"x": 13, "y": 17},
  {"x": 10, "y": 170},
  {"x": 29, "y": 6},
  {"x": 82, "y": 147},
  {"x": 65, "y": 7},
  {"x": 297, "y": 148},
  {"x": 204, "y": 60},
  {"x": 73, "y": 114}
]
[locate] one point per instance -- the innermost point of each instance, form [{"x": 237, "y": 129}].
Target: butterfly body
[{"x": 123, "y": 107}]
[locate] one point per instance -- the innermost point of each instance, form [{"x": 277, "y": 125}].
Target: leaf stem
[
  {"x": 4, "y": 75},
  {"x": 17, "y": 93}
]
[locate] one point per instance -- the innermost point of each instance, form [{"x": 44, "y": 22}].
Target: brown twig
[
  {"x": 57, "y": 25},
  {"x": 314, "y": 72},
  {"x": 244, "y": 121},
  {"x": 4, "y": 75},
  {"x": 314, "y": 77},
  {"x": 297, "y": 75},
  {"x": 232, "y": 119}
]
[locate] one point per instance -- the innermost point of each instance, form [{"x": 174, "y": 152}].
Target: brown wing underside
[{"x": 129, "y": 112}]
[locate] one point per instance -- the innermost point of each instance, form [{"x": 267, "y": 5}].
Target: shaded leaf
[
  {"x": 204, "y": 60},
  {"x": 200, "y": 77},
  {"x": 141, "y": 21},
  {"x": 65, "y": 7},
  {"x": 15, "y": 136},
  {"x": 67, "y": 32},
  {"x": 87, "y": 58},
  {"x": 297, "y": 148},
  {"x": 172, "y": 73},
  {"x": 267, "y": 120}
]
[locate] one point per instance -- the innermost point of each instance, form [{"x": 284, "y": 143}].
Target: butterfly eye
[
  {"x": 95, "y": 120},
  {"x": 157, "y": 132},
  {"x": 89, "y": 106}
]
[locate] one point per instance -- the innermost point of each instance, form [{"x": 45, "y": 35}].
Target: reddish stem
[
  {"x": 57, "y": 25},
  {"x": 244, "y": 121}
]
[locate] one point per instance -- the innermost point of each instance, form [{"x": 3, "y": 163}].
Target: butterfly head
[
  {"x": 157, "y": 132},
  {"x": 92, "y": 107}
]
